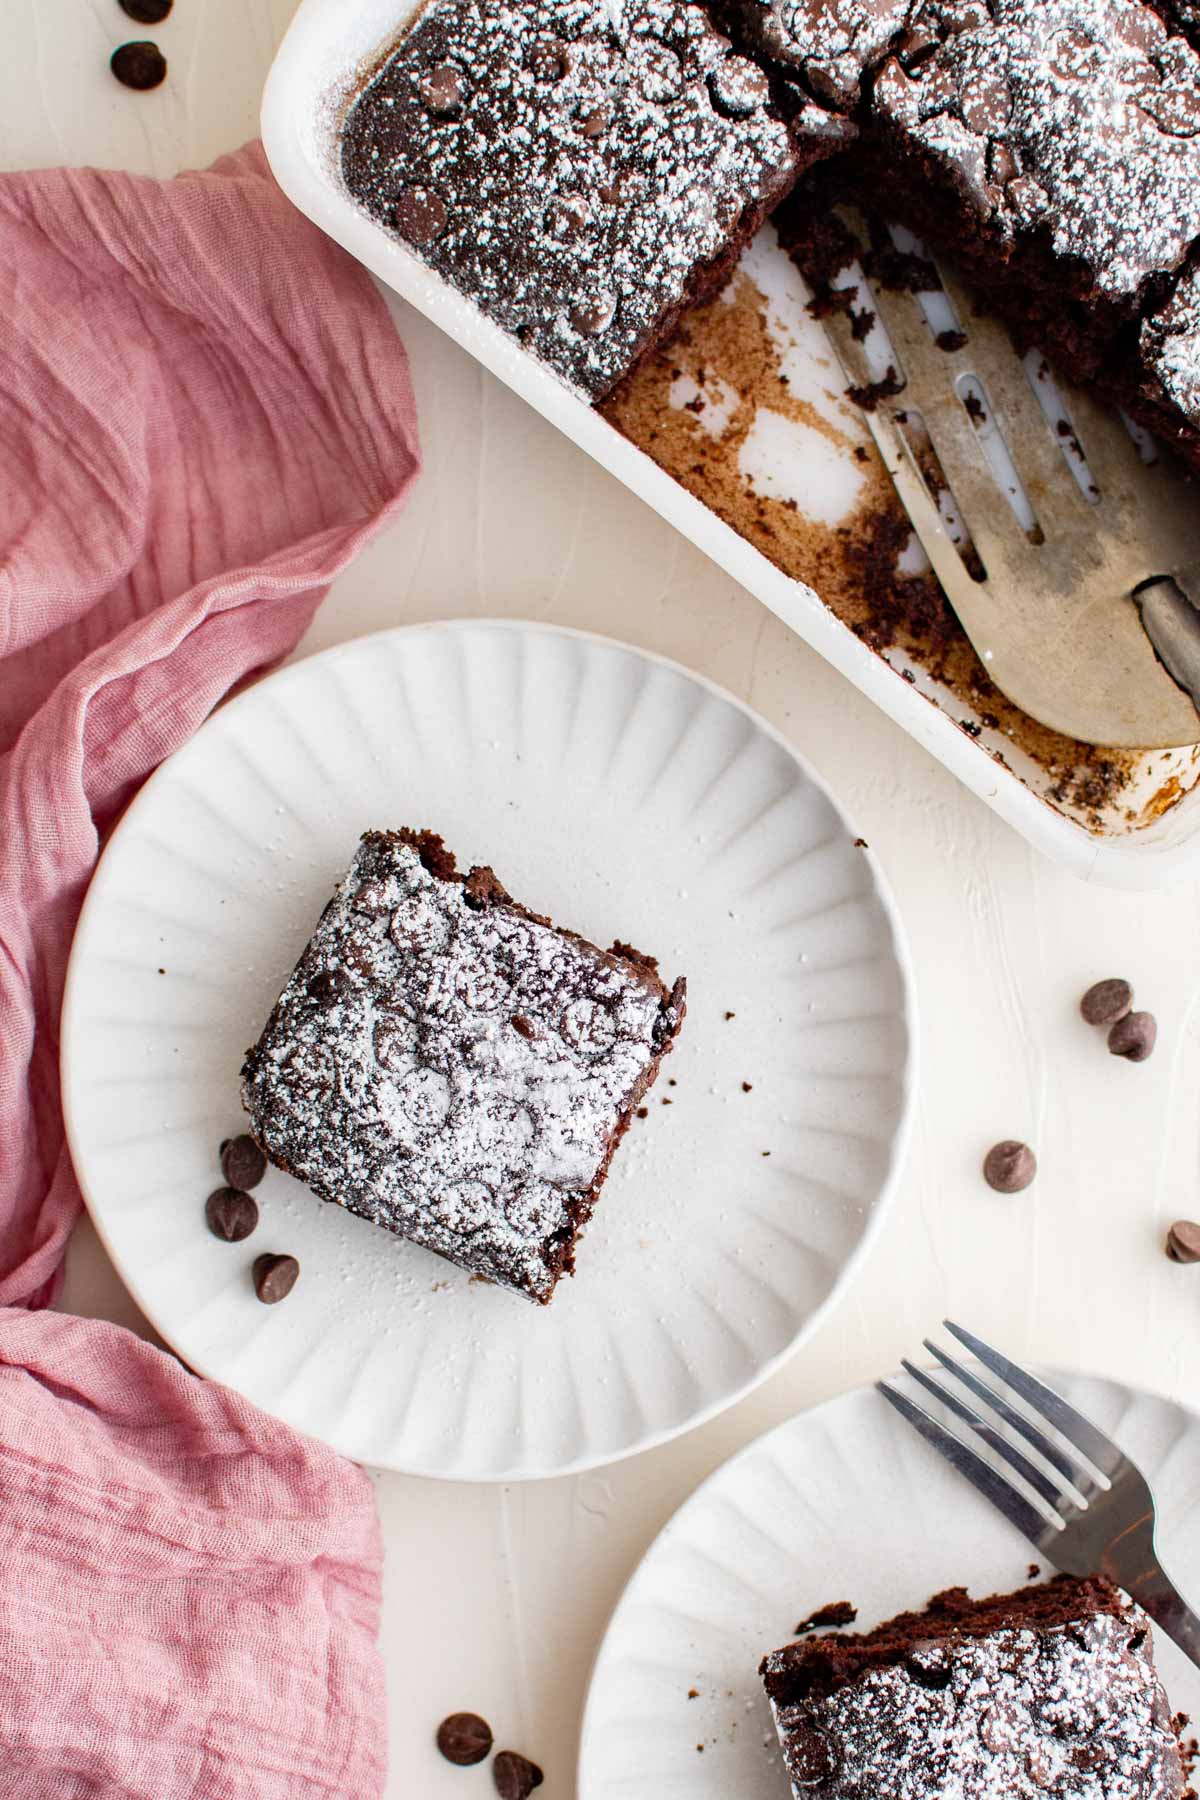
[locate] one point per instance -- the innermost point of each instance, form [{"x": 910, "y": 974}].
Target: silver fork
[{"x": 1096, "y": 1515}]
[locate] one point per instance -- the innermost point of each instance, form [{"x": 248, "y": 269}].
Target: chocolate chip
[
  {"x": 147, "y": 12},
  {"x": 566, "y": 217},
  {"x": 1009, "y": 1166},
  {"x": 464, "y": 1738},
  {"x": 419, "y": 215},
  {"x": 1106, "y": 1001},
  {"x": 138, "y": 65},
  {"x": 231, "y": 1214},
  {"x": 525, "y": 1026},
  {"x": 550, "y": 60},
  {"x": 443, "y": 91},
  {"x": 660, "y": 75},
  {"x": 595, "y": 123},
  {"x": 1183, "y": 1242},
  {"x": 737, "y": 88},
  {"x": 593, "y": 316},
  {"x": 274, "y": 1277},
  {"x": 327, "y": 986},
  {"x": 515, "y": 1776},
  {"x": 811, "y": 1760},
  {"x": 242, "y": 1162},
  {"x": 1133, "y": 1037}
]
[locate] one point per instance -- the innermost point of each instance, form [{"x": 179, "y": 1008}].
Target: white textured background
[{"x": 496, "y": 1598}]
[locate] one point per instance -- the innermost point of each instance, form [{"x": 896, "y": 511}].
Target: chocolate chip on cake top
[
  {"x": 828, "y": 43},
  {"x": 578, "y": 167},
  {"x": 453, "y": 1067},
  {"x": 1075, "y": 119}
]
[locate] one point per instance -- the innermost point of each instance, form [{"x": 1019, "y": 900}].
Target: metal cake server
[
  {"x": 1087, "y": 1509},
  {"x": 1087, "y": 623}
]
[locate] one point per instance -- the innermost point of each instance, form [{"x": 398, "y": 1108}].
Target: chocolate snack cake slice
[
  {"x": 582, "y": 169},
  {"x": 1049, "y": 1690},
  {"x": 454, "y": 1067}
]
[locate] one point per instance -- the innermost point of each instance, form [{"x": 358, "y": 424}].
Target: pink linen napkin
[
  {"x": 204, "y": 413},
  {"x": 189, "y": 1591}
]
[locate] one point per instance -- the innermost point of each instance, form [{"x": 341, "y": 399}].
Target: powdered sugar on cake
[
  {"x": 1074, "y": 1710},
  {"x": 568, "y": 164},
  {"x": 454, "y": 1071},
  {"x": 1077, "y": 118}
]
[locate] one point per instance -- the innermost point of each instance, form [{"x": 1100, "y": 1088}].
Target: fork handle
[{"x": 1157, "y": 1595}]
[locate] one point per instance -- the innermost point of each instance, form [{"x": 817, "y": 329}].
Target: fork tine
[
  {"x": 1080, "y": 1432},
  {"x": 991, "y": 1437},
  {"x": 1070, "y": 1471},
  {"x": 990, "y": 1483}
]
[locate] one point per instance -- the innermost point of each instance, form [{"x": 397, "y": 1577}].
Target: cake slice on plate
[
  {"x": 1051, "y": 1690},
  {"x": 454, "y": 1067}
]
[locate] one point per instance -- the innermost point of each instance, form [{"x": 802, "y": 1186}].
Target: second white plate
[
  {"x": 626, "y": 798},
  {"x": 842, "y": 1503}
]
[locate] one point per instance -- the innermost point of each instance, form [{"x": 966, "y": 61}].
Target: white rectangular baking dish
[{"x": 1150, "y": 839}]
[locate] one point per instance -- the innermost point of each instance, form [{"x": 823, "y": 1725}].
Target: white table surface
[{"x": 496, "y": 1597}]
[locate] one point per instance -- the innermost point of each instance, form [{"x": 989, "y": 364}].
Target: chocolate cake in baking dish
[
  {"x": 586, "y": 170},
  {"x": 454, "y": 1067}
]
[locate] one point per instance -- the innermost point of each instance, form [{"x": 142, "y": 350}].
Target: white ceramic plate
[
  {"x": 842, "y": 1503},
  {"x": 626, "y": 798}
]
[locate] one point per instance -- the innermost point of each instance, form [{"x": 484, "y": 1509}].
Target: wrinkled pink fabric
[
  {"x": 190, "y": 1591},
  {"x": 205, "y": 412}
]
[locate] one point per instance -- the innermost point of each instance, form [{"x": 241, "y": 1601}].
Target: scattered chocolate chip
[
  {"x": 737, "y": 87},
  {"x": 231, "y": 1214},
  {"x": 464, "y": 1738},
  {"x": 747, "y": 1087},
  {"x": 950, "y": 341},
  {"x": 1134, "y": 1036},
  {"x": 1106, "y": 1001},
  {"x": 861, "y": 844},
  {"x": 1009, "y": 1166},
  {"x": 593, "y": 316},
  {"x": 515, "y": 1776},
  {"x": 242, "y": 1162},
  {"x": 729, "y": 1016},
  {"x": 838, "y": 1612},
  {"x": 327, "y": 986},
  {"x": 274, "y": 1277},
  {"x": 595, "y": 123},
  {"x": 643, "y": 1112},
  {"x": 1033, "y": 1571},
  {"x": 443, "y": 91},
  {"x": 419, "y": 215},
  {"x": 693, "y": 1693},
  {"x": 525, "y": 1026},
  {"x": 664, "y": 1101},
  {"x": 138, "y": 65},
  {"x": 1183, "y": 1242},
  {"x": 147, "y": 12}
]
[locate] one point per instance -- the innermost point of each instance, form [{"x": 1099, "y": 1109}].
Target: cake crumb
[{"x": 836, "y": 1613}]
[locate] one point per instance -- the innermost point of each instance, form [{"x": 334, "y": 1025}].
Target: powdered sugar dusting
[
  {"x": 1078, "y": 119},
  {"x": 567, "y": 164},
  {"x": 1075, "y": 1710},
  {"x": 453, "y": 1070}
]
